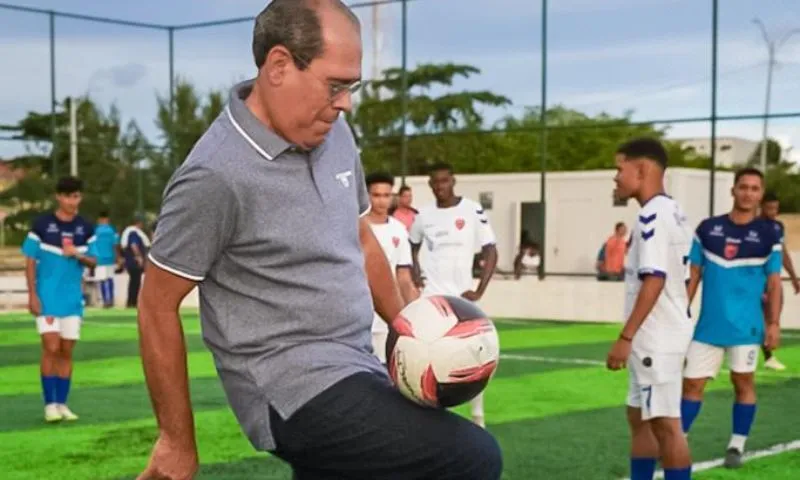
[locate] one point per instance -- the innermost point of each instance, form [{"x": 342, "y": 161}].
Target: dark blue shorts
[{"x": 363, "y": 428}]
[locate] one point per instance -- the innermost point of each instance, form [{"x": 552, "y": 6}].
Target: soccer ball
[{"x": 442, "y": 351}]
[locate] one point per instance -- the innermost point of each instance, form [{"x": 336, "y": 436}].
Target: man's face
[
  {"x": 308, "y": 101},
  {"x": 405, "y": 199},
  {"x": 69, "y": 202},
  {"x": 747, "y": 193},
  {"x": 770, "y": 209},
  {"x": 380, "y": 196},
  {"x": 442, "y": 184},
  {"x": 621, "y": 230},
  {"x": 628, "y": 178}
]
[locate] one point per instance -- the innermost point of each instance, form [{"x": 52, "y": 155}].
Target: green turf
[{"x": 555, "y": 418}]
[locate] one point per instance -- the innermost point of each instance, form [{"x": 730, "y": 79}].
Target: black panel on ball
[
  {"x": 391, "y": 341},
  {"x": 464, "y": 309},
  {"x": 454, "y": 394}
]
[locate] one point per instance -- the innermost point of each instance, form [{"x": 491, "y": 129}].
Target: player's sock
[
  {"x": 689, "y": 411},
  {"x": 678, "y": 473},
  {"x": 643, "y": 468},
  {"x": 743, "y": 416},
  {"x": 62, "y": 389},
  {"x": 49, "y": 389},
  {"x": 111, "y": 291},
  {"x": 767, "y": 353}
]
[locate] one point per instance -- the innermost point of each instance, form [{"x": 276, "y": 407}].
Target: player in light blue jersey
[
  {"x": 58, "y": 247},
  {"x": 738, "y": 257},
  {"x": 106, "y": 245}
]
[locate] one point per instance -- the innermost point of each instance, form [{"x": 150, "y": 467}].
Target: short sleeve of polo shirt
[{"x": 197, "y": 219}]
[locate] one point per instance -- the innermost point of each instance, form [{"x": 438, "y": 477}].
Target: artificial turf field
[{"x": 556, "y": 412}]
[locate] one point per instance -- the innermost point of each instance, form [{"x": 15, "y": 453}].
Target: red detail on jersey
[
  {"x": 472, "y": 374},
  {"x": 470, "y": 328},
  {"x": 396, "y": 241},
  {"x": 402, "y": 326},
  {"x": 460, "y": 223},
  {"x": 49, "y": 320},
  {"x": 731, "y": 249},
  {"x": 429, "y": 386},
  {"x": 442, "y": 305}
]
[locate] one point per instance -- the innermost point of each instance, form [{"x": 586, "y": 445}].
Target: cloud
[{"x": 120, "y": 76}]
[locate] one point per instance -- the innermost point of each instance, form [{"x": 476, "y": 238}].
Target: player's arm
[
  {"x": 696, "y": 261},
  {"x": 404, "y": 270},
  {"x": 385, "y": 295},
  {"x": 653, "y": 261},
  {"x": 198, "y": 216},
  {"x": 486, "y": 238},
  {"x": 788, "y": 264},
  {"x": 30, "y": 249},
  {"x": 774, "y": 293},
  {"x": 518, "y": 265},
  {"x": 415, "y": 236}
]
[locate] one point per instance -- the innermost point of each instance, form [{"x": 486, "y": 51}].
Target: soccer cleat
[
  {"x": 66, "y": 413},
  {"x": 52, "y": 413},
  {"x": 774, "y": 364},
  {"x": 733, "y": 458}
]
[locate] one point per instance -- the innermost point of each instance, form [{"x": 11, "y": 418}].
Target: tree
[{"x": 774, "y": 154}]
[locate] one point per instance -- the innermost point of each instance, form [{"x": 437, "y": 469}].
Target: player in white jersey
[
  {"x": 658, "y": 328},
  {"x": 452, "y": 231},
  {"x": 393, "y": 238}
]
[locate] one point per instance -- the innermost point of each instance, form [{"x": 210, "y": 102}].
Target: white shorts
[
  {"x": 104, "y": 272},
  {"x": 704, "y": 360},
  {"x": 379, "y": 345},
  {"x": 68, "y": 327},
  {"x": 655, "y": 384}
]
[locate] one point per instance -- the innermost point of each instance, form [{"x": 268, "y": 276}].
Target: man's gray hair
[{"x": 295, "y": 24}]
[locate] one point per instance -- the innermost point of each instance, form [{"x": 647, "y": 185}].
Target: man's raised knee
[{"x": 482, "y": 452}]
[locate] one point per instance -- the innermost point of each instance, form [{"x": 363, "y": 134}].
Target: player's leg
[
  {"x": 662, "y": 411},
  {"x": 770, "y": 360},
  {"x": 476, "y": 409},
  {"x": 70, "y": 333},
  {"x": 644, "y": 446},
  {"x": 48, "y": 328},
  {"x": 703, "y": 362},
  {"x": 363, "y": 428},
  {"x": 134, "y": 282},
  {"x": 743, "y": 364}
]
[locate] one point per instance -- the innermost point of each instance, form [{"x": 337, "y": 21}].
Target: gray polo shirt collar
[{"x": 266, "y": 142}]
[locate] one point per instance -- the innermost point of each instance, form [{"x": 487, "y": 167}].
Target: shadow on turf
[{"x": 587, "y": 445}]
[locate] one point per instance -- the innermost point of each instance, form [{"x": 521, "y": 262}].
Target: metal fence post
[{"x": 543, "y": 146}]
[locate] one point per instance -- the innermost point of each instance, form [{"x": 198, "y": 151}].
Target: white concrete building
[
  {"x": 731, "y": 151},
  {"x": 580, "y": 210}
]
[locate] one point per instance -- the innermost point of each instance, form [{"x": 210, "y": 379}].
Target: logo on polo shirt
[{"x": 344, "y": 177}]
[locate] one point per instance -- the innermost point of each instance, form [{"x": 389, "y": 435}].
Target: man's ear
[{"x": 277, "y": 64}]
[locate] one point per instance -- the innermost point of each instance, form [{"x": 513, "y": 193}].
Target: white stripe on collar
[{"x": 245, "y": 135}]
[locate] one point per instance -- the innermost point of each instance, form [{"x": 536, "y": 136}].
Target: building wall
[
  {"x": 580, "y": 214},
  {"x": 731, "y": 151}
]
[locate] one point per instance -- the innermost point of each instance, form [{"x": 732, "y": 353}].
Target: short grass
[{"x": 554, "y": 418}]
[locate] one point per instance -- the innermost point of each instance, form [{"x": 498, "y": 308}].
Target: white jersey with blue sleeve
[
  {"x": 659, "y": 246},
  {"x": 736, "y": 261},
  {"x": 59, "y": 279}
]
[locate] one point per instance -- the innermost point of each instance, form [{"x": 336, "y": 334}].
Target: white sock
[
  {"x": 477, "y": 406},
  {"x": 737, "y": 442}
]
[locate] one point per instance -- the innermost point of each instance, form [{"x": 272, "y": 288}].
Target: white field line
[
  {"x": 717, "y": 462},
  {"x": 600, "y": 363}
]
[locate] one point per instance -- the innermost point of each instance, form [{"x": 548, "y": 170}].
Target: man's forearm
[
  {"x": 788, "y": 264},
  {"x": 489, "y": 264},
  {"x": 87, "y": 261},
  {"x": 406, "y": 285},
  {"x": 163, "y": 352},
  {"x": 416, "y": 271},
  {"x": 30, "y": 275},
  {"x": 645, "y": 301},
  {"x": 695, "y": 274},
  {"x": 774, "y": 292}
]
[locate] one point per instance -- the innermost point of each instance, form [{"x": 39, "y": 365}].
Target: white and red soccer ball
[{"x": 442, "y": 351}]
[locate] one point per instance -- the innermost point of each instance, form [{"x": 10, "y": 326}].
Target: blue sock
[
  {"x": 643, "y": 468},
  {"x": 111, "y": 291},
  {"x": 49, "y": 389},
  {"x": 689, "y": 411},
  {"x": 743, "y": 416},
  {"x": 104, "y": 291},
  {"x": 678, "y": 473},
  {"x": 62, "y": 389}
]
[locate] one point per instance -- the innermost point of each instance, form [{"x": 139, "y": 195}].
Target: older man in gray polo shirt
[{"x": 265, "y": 215}]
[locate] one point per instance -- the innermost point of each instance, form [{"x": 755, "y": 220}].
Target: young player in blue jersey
[
  {"x": 738, "y": 257},
  {"x": 57, "y": 249},
  {"x": 770, "y": 207},
  {"x": 657, "y": 328},
  {"x": 106, "y": 246}
]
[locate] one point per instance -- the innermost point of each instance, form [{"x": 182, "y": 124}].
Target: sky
[{"x": 651, "y": 57}]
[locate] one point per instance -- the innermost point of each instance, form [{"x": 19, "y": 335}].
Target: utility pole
[{"x": 772, "y": 48}]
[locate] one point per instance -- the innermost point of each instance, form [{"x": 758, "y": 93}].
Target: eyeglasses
[{"x": 335, "y": 88}]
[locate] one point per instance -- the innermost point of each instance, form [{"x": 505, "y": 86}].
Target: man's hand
[
  {"x": 773, "y": 336},
  {"x": 471, "y": 295},
  {"x": 171, "y": 461},
  {"x": 70, "y": 250},
  {"x": 618, "y": 356},
  {"x": 796, "y": 285},
  {"x": 34, "y": 305}
]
